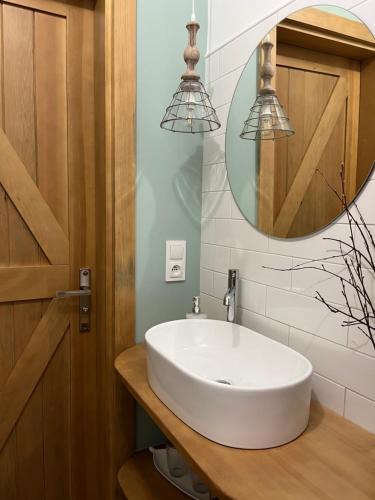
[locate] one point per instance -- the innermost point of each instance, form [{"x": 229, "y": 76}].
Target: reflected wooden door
[
  {"x": 321, "y": 95},
  {"x": 47, "y": 232}
]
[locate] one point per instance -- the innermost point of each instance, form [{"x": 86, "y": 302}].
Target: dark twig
[{"x": 358, "y": 257}]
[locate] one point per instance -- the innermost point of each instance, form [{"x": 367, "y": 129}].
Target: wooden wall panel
[
  {"x": 51, "y": 113},
  {"x": 19, "y": 116},
  {"x": 8, "y": 454},
  {"x": 56, "y": 423},
  {"x": 52, "y": 149},
  {"x": 19, "y": 125},
  {"x": 57, "y": 7},
  {"x": 81, "y": 135},
  {"x": 29, "y": 429}
]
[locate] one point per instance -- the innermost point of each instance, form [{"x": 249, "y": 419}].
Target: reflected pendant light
[
  {"x": 191, "y": 110},
  {"x": 267, "y": 119}
]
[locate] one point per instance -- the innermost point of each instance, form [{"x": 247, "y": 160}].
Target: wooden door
[
  {"x": 47, "y": 232},
  {"x": 321, "y": 95}
]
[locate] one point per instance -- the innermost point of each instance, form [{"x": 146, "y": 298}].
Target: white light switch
[
  {"x": 175, "y": 260},
  {"x": 177, "y": 252}
]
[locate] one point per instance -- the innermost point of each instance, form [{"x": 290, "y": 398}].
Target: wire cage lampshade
[
  {"x": 190, "y": 110},
  {"x": 267, "y": 119}
]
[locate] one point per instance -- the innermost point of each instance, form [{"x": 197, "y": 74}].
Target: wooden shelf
[
  {"x": 333, "y": 459},
  {"x": 139, "y": 480}
]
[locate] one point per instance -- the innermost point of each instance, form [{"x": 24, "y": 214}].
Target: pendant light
[
  {"x": 190, "y": 110},
  {"x": 267, "y": 119}
]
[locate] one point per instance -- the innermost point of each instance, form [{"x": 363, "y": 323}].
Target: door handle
[
  {"x": 62, "y": 294},
  {"x": 84, "y": 294}
]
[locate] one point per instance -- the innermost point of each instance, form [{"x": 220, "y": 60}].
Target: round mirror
[{"x": 300, "y": 125}]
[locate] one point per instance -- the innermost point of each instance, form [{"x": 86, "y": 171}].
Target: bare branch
[{"x": 361, "y": 315}]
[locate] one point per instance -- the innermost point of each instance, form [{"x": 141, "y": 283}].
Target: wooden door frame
[
  {"x": 314, "y": 29},
  {"x": 115, "y": 75}
]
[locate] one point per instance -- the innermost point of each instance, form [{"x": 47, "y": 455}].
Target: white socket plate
[{"x": 175, "y": 260}]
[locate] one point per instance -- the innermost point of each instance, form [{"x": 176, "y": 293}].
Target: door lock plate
[{"x": 84, "y": 300}]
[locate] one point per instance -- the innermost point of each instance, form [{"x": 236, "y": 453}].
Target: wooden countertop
[{"x": 333, "y": 460}]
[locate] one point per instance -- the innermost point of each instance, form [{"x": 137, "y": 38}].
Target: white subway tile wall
[
  {"x": 360, "y": 410},
  {"x": 278, "y": 304},
  {"x": 328, "y": 393}
]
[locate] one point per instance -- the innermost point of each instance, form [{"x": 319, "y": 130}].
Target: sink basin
[{"x": 230, "y": 384}]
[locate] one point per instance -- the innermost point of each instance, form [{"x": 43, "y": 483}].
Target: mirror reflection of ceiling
[{"x": 324, "y": 75}]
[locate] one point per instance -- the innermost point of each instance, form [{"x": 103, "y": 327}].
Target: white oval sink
[{"x": 230, "y": 384}]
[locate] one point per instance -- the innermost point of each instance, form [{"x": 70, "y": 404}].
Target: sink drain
[{"x": 223, "y": 381}]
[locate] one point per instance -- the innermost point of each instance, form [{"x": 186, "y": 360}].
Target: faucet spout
[{"x": 230, "y": 297}]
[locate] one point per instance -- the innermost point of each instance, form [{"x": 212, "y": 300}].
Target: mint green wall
[
  {"x": 338, "y": 11},
  {"x": 241, "y": 154},
  {"x": 169, "y": 172}
]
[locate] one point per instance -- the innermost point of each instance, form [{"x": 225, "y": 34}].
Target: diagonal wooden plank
[
  {"x": 29, "y": 202},
  {"x": 32, "y": 282},
  {"x": 311, "y": 159},
  {"x": 29, "y": 368},
  {"x": 49, "y": 6}
]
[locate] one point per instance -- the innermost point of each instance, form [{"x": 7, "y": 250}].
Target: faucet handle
[{"x": 233, "y": 276}]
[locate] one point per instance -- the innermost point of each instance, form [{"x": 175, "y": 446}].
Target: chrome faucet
[{"x": 231, "y": 295}]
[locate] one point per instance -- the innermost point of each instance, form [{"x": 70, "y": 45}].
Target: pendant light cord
[{"x": 193, "y": 17}]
